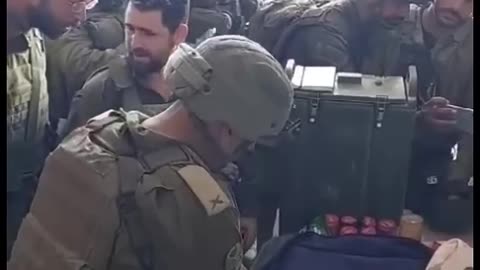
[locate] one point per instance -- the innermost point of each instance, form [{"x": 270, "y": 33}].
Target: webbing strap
[
  {"x": 130, "y": 100},
  {"x": 33, "y": 107},
  {"x": 129, "y": 173}
]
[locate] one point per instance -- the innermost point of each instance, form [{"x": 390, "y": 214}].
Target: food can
[
  {"x": 348, "y": 230},
  {"x": 387, "y": 227},
  {"x": 411, "y": 226},
  {"x": 349, "y": 221},
  {"x": 368, "y": 231},
  {"x": 369, "y": 222},
  {"x": 332, "y": 223}
]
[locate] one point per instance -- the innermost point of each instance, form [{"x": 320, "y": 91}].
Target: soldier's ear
[{"x": 180, "y": 34}]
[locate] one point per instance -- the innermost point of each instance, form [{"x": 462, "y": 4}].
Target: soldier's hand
[
  {"x": 437, "y": 115},
  {"x": 248, "y": 228}
]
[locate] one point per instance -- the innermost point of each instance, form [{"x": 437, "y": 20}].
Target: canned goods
[
  {"x": 318, "y": 226},
  {"x": 369, "y": 222},
  {"x": 368, "y": 231},
  {"x": 349, "y": 220},
  {"x": 387, "y": 227},
  {"x": 332, "y": 223},
  {"x": 411, "y": 226},
  {"x": 348, "y": 230}
]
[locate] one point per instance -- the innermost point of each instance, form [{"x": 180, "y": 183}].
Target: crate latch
[
  {"x": 312, "y": 117},
  {"x": 381, "y": 104}
]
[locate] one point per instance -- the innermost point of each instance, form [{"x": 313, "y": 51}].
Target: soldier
[
  {"x": 154, "y": 28},
  {"x": 438, "y": 39},
  {"x": 338, "y": 36},
  {"x": 225, "y": 16},
  {"x": 72, "y": 58},
  {"x": 446, "y": 28},
  {"x": 131, "y": 192},
  {"x": 27, "y": 97}
]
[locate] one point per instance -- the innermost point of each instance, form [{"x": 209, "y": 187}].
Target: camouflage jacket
[
  {"x": 72, "y": 58},
  {"x": 130, "y": 199},
  {"x": 27, "y": 109}
]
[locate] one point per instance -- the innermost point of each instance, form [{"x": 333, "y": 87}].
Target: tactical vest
[
  {"x": 120, "y": 78},
  {"x": 27, "y": 109},
  {"x": 108, "y": 164}
]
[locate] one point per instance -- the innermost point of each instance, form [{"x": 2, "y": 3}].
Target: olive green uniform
[
  {"x": 27, "y": 118},
  {"x": 112, "y": 87},
  {"x": 445, "y": 69},
  {"x": 72, "y": 58},
  {"x": 129, "y": 199},
  {"x": 335, "y": 39}
]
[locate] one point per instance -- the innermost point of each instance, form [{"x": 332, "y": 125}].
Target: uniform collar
[{"x": 121, "y": 73}]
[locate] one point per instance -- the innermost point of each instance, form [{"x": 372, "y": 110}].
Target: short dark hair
[{"x": 174, "y": 12}]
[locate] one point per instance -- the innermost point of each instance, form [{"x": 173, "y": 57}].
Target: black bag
[
  {"x": 310, "y": 251},
  {"x": 351, "y": 152}
]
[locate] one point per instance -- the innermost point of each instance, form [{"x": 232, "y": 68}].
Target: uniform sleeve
[
  {"x": 319, "y": 46},
  {"x": 186, "y": 231},
  {"x": 90, "y": 101},
  {"x": 81, "y": 58}
]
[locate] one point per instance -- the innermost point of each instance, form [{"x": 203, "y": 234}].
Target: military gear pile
[{"x": 236, "y": 73}]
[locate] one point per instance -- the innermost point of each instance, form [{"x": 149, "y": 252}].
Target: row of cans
[{"x": 346, "y": 225}]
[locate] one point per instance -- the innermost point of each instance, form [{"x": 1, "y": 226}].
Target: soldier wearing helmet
[{"x": 145, "y": 193}]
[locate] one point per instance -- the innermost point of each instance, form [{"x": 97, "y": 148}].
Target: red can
[
  {"x": 369, "y": 222},
  {"x": 333, "y": 223},
  {"x": 387, "y": 227},
  {"x": 368, "y": 231},
  {"x": 349, "y": 221},
  {"x": 348, "y": 230}
]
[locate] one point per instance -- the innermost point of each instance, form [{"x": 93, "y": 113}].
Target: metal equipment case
[{"x": 351, "y": 151}]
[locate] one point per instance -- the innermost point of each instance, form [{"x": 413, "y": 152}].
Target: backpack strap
[
  {"x": 130, "y": 99},
  {"x": 130, "y": 172}
]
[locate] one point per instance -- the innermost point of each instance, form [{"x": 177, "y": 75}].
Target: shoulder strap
[
  {"x": 130, "y": 99},
  {"x": 130, "y": 172},
  {"x": 34, "y": 39}
]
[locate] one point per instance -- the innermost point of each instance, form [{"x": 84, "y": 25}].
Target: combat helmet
[{"x": 234, "y": 80}]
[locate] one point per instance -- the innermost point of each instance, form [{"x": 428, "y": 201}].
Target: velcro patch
[{"x": 207, "y": 190}]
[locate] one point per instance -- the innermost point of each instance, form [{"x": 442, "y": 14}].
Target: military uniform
[
  {"x": 27, "y": 118},
  {"x": 446, "y": 70},
  {"x": 72, "y": 58},
  {"x": 335, "y": 38},
  {"x": 109, "y": 208},
  {"x": 116, "y": 195},
  {"x": 112, "y": 87}
]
